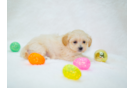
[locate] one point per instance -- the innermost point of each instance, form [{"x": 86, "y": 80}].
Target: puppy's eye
[
  {"x": 75, "y": 42},
  {"x": 84, "y": 41}
]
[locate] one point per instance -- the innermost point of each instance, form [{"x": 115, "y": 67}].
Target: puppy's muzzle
[{"x": 80, "y": 48}]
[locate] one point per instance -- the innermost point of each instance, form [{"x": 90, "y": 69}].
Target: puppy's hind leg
[{"x": 33, "y": 48}]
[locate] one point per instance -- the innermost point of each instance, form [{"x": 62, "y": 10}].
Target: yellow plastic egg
[
  {"x": 71, "y": 72},
  {"x": 100, "y": 55}
]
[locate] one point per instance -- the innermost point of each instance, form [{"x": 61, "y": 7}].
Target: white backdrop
[{"x": 104, "y": 20}]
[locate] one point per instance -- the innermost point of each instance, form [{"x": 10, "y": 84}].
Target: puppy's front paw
[{"x": 84, "y": 56}]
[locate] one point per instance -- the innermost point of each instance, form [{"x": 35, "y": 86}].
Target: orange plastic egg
[{"x": 36, "y": 59}]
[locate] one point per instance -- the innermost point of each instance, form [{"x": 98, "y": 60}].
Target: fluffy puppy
[{"x": 67, "y": 47}]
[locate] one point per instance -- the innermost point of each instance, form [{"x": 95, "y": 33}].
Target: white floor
[{"x": 20, "y": 74}]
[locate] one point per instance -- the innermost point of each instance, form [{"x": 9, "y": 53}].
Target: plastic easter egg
[
  {"x": 71, "y": 72},
  {"x": 82, "y": 63},
  {"x": 36, "y": 59},
  {"x": 100, "y": 55},
  {"x": 15, "y": 47}
]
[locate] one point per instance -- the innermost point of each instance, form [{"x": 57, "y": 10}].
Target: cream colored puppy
[{"x": 67, "y": 47}]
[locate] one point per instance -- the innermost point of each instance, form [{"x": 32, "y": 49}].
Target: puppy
[{"x": 67, "y": 47}]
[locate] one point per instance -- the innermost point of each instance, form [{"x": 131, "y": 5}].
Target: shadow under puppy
[{"x": 67, "y": 47}]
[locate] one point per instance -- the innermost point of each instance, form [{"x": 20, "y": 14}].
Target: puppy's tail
[{"x": 24, "y": 52}]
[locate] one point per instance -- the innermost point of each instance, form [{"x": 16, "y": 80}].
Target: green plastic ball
[{"x": 15, "y": 47}]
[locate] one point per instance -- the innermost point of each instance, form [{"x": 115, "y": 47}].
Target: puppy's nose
[{"x": 80, "y": 48}]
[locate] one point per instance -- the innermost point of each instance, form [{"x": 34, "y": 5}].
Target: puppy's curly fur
[{"x": 67, "y": 47}]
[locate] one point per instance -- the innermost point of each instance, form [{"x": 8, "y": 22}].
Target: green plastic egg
[
  {"x": 71, "y": 72},
  {"x": 15, "y": 47}
]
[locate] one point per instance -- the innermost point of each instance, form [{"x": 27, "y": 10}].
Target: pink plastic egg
[{"x": 82, "y": 63}]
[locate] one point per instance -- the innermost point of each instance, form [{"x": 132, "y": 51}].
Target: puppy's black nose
[{"x": 80, "y": 48}]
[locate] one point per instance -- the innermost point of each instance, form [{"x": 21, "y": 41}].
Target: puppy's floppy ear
[
  {"x": 89, "y": 41},
  {"x": 65, "y": 39}
]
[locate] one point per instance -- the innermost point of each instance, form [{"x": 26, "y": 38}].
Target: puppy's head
[{"x": 77, "y": 40}]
